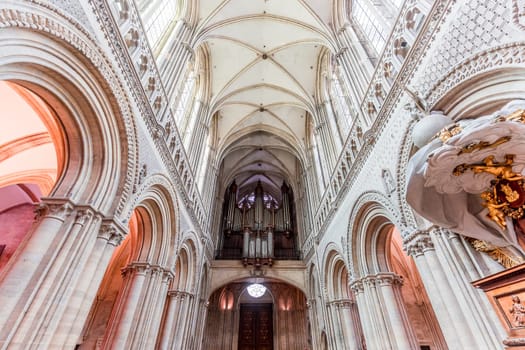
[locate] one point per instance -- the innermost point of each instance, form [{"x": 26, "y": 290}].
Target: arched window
[
  {"x": 183, "y": 106},
  {"x": 341, "y": 105},
  {"x": 369, "y": 24},
  {"x": 157, "y": 17}
]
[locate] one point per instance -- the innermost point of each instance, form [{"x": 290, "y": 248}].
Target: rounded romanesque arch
[
  {"x": 237, "y": 318},
  {"x": 385, "y": 275},
  {"x": 345, "y": 325},
  {"x": 56, "y": 66},
  {"x": 181, "y": 298},
  {"x": 146, "y": 260},
  {"x": 89, "y": 113},
  {"x": 370, "y": 219}
]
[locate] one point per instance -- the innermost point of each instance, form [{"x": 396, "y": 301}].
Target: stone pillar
[
  {"x": 172, "y": 319},
  {"x": 315, "y": 328},
  {"x": 184, "y": 318},
  {"x": 351, "y": 337},
  {"x": 461, "y": 310},
  {"x": 45, "y": 299},
  {"x": 335, "y": 324},
  {"x": 385, "y": 323},
  {"x": 136, "y": 319},
  {"x": 110, "y": 236}
]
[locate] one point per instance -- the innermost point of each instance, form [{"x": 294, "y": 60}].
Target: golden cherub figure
[
  {"x": 500, "y": 170},
  {"x": 495, "y": 212}
]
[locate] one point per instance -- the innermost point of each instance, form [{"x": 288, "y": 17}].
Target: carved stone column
[
  {"x": 136, "y": 320},
  {"x": 171, "y": 320},
  {"x": 109, "y": 237},
  {"x": 351, "y": 336},
  {"x": 315, "y": 330},
  {"x": 44, "y": 290},
  {"x": 385, "y": 323},
  {"x": 458, "y": 306},
  {"x": 176, "y": 319},
  {"x": 335, "y": 324}
]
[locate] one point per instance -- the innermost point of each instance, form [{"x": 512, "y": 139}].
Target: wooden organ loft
[{"x": 257, "y": 228}]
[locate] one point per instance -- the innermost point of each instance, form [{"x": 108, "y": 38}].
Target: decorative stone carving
[
  {"x": 388, "y": 181},
  {"x": 418, "y": 242},
  {"x": 518, "y": 13},
  {"x": 83, "y": 215},
  {"x": 111, "y": 233}
]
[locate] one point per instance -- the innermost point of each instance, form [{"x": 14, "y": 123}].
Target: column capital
[
  {"x": 379, "y": 279},
  {"x": 179, "y": 294},
  {"x": 341, "y": 303},
  {"x": 145, "y": 268},
  {"x": 418, "y": 242},
  {"x": 113, "y": 232},
  {"x": 59, "y": 208},
  {"x": 357, "y": 286}
]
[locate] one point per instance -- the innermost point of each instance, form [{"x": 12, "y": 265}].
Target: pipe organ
[{"x": 257, "y": 228}]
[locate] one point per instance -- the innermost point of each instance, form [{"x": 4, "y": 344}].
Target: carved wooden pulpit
[{"x": 506, "y": 293}]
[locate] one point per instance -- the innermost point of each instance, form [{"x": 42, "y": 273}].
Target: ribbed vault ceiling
[{"x": 263, "y": 59}]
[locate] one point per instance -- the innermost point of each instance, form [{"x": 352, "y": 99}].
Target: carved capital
[
  {"x": 342, "y": 303},
  {"x": 136, "y": 267},
  {"x": 84, "y": 215},
  {"x": 59, "y": 208},
  {"x": 179, "y": 294},
  {"x": 380, "y": 279},
  {"x": 112, "y": 233},
  {"x": 388, "y": 279},
  {"x": 418, "y": 242},
  {"x": 357, "y": 286}
]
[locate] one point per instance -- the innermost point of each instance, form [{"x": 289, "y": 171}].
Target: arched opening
[
  {"x": 389, "y": 290},
  {"x": 108, "y": 292},
  {"x": 180, "y": 303},
  {"x": 346, "y": 329},
  {"x": 31, "y": 159},
  {"x": 127, "y": 312},
  {"x": 256, "y": 314}
]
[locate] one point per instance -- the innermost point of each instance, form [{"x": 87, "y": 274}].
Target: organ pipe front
[{"x": 256, "y": 228}]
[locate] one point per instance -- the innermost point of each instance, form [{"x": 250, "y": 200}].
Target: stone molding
[
  {"x": 190, "y": 197},
  {"x": 508, "y": 55},
  {"x": 330, "y": 201}
]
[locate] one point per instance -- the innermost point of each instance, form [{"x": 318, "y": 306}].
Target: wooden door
[{"x": 256, "y": 327}]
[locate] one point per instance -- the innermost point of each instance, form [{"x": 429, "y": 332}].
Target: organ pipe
[{"x": 256, "y": 226}]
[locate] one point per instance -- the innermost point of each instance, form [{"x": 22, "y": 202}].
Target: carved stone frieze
[{"x": 508, "y": 55}]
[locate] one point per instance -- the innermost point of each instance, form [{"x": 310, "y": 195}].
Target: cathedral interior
[{"x": 262, "y": 174}]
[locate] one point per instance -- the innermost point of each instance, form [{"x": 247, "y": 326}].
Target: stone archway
[
  {"x": 231, "y": 304},
  {"x": 31, "y": 158}
]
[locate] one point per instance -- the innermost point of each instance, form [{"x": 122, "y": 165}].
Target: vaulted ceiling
[{"x": 263, "y": 61}]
